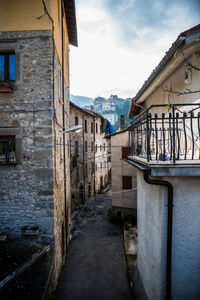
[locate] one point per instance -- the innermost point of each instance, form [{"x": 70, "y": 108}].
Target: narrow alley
[{"x": 96, "y": 267}]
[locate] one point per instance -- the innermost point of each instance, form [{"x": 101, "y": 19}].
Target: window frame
[
  {"x": 17, "y": 132},
  {"x": 126, "y": 182},
  {"x": 76, "y": 146},
  {"x": 86, "y": 146},
  {"x": 6, "y": 54},
  {"x": 86, "y": 126},
  {"x": 76, "y": 120}
]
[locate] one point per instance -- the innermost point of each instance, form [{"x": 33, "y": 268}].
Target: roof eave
[{"x": 70, "y": 12}]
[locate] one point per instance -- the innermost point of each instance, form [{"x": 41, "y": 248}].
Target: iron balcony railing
[{"x": 167, "y": 133}]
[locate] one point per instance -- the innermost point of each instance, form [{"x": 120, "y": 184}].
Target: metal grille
[
  {"x": 7, "y": 150},
  {"x": 161, "y": 135}
]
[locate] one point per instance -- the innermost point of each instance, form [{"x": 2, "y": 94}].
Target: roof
[
  {"x": 180, "y": 41},
  {"x": 85, "y": 111},
  {"x": 115, "y": 133},
  {"x": 70, "y": 12}
]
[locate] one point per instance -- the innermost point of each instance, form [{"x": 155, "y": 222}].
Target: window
[
  {"x": 77, "y": 174},
  {"x": 61, "y": 151},
  {"x": 7, "y": 66},
  {"x": 92, "y": 127},
  {"x": 86, "y": 170},
  {"x": 101, "y": 165},
  {"x": 76, "y": 120},
  {"x": 85, "y": 125},
  {"x": 104, "y": 146},
  {"x": 100, "y": 148},
  {"x": 101, "y": 129},
  {"x": 76, "y": 146},
  {"x": 96, "y": 128},
  {"x": 7, "y": 150},
  {"x": 125, "y": 152},
  {"x": 86, "y": 146},
  {"x": 126, "y": 182},
  {"x": 92, "y": 167},
  {"x": 92, "y": 146},
  {"x": 96, "y": 148}
]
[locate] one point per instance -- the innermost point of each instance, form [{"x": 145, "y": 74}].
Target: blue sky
[{"x": 122, "y": 41}]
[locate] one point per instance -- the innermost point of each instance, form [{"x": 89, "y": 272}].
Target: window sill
[{"x": 5, "y": 89}]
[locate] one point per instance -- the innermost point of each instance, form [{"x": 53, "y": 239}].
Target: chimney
[
  {"x": 122, "y": 122},
  {"x": 91, "y": 107}
]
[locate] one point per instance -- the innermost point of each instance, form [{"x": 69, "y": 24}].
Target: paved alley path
[{"x": 97, "y": 268}]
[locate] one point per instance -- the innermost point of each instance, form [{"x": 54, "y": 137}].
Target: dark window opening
[
  {"x": 126, "y": 182},
  {"x": 76, "y": 120},
  {"x": 85, "y": 125},
  {"x": 119, "y": 214},
  {"x": 92, "y": 127},
  {"x": 7, "y": 66},
  {"x": 96, "y": 128},
  {"x": 93, "y": 167},
  {"x": 7, "y": 150},
  {"x": 125, "y": 152},
  {"x": 86, "y": 146},
  {"x": 92, "y": 146},
  {"x": 76, "y": 146}
]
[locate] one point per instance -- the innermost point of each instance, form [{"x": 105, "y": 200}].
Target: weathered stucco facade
[
  {"x": 124, "y": 195},
  {"x": 168, "y": 166},
  {"x": 34, "y": 110}
]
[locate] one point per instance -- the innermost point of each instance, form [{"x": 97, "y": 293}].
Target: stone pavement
[{"x": 96, "y": 268}]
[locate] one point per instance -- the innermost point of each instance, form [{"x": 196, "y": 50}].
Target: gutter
[{"x": 146, "y": 173}]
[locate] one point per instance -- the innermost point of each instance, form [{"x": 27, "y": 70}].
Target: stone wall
[
  {"x": 32, "y": 191},
  {"x": 26, "y": 112}
]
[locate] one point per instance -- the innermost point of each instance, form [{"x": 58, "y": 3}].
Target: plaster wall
[
  {"x": 177, "y": 81},
  {"x": 122, "y": 198},
  {"x": 152, "y": 222}
]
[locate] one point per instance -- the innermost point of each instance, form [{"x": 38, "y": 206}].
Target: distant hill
[{"x": 81, "y": 100}]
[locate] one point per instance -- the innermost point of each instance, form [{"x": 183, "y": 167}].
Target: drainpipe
[
  {"x": 83, "y": 135},
  {"x": 63, "y": 124},
  {"x": 169, "y": 227},
  {"x": 94, "y": 149}
]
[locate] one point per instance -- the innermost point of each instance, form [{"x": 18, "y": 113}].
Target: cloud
[
  {"x": 148, "y": 20},
  {"x": 122, "y": 41}
]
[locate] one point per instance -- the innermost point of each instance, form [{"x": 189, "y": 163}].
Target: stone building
[
  {"x": 34, "y": 111},
  {"x": 82, "y": 147},
  {"x": 89, "y": 155},
  {"x": 102, "y": 161}
]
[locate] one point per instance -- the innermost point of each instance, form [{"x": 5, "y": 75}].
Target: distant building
[
  {"x": 124, "y": 180},
  {"x": 89, "y": 155},
  {"x": 108, "y": 105},
  {"x": 112, "y": 118}
]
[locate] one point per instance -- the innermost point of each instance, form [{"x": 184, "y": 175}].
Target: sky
[{"x": 122, "y": 41}]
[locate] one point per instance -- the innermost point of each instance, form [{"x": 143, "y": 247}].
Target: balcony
[{"x": 166, "y": 135}]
